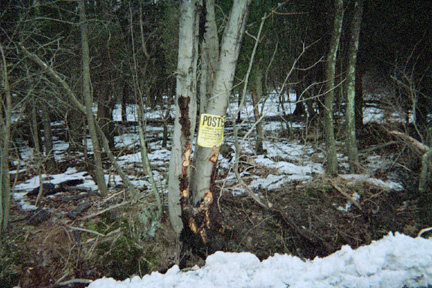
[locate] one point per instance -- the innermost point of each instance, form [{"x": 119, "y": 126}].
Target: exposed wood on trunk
[{"x": 185, "y": 111}]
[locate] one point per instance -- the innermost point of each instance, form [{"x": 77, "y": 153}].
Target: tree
[
  {"x": 330, "y": 72},
  {"x": 98, "y": 169},
  {"x": 349, "y": 89},
  {"x": 196, "y": 214},
  {"x": 5, "y": 139},
  {"x": 185, "y": 114}
]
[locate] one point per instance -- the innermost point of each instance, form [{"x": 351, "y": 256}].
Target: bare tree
[
  {"x": 5, "y": 139},
  {"x": 330, "y": 86},
  {"x": 99, "y": 172},
  {"x": 351, "y": 140}
]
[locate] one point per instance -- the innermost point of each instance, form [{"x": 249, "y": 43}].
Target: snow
[{"x": 394, "y": 261}]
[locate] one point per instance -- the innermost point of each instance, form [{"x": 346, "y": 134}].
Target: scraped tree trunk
[
  {"x": 185, "y": 114},
  {"x": 99, "y": 172},
  {"x": 181, "y": 186},
  {"x": 5, "y": 139},
  {"x": 330, "y": 86},
  {"x": 351, "y": 140},
  {"x": 203, "y": 190}
]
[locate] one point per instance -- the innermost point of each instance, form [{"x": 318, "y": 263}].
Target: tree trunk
[
  {"x": 425, "y": 171},
  {"x": 330, "y": 86},
  {"x": 209, "y": 54},
  {"x": 48, "y": 141},
  {"x": 185, "y": 114},
  {"x": 34, "y": 128},
  {"x": 221, "y": 91},
  {"x": 359, "y": 96},
  {"x": 205, "y": 173},
  {"x": 5, "y": 139},
  {"x": 351, "y": 140},
  {"x": 104, "y": 115},
  {"x": 99, "y": 172},
  {"x": 256, "y": 99}
]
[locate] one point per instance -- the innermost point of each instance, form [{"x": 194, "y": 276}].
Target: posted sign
[{"x": 211, "y": 130}]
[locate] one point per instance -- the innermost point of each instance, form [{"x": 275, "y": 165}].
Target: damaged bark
[
  {"x": 191, "y": 198},
  {"x": 185, "y": 111}
]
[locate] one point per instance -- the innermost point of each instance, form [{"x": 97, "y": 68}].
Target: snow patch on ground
[{"x": 394, "y": 261}]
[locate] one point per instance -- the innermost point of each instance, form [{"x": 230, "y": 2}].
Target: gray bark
[
  {"x": 5, "y": 139},
  {"x": 88, "y": 99},
  {"x": 185, "y": 111},
  {"x": 219, "y": 99},
  {"x": 34, "y": 128},
  {"x": 209, "y": 55},
  {"x": 48, "y": 143},
  {"x": 256, "y": 99},
  {"x": 425, "y": 170},
  {"x": 330, "y": 86},
  {"x": 351, "y": 140}
]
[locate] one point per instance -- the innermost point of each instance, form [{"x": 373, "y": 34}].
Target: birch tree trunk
[
  {"x": 203, "y": 190},
  {"x": 218, "y": 102},
  {"x": 180, "y": 184},
  {"x": 99, "y": 172},
  {"x": 330, "y": 86},
  {"x": 185, "y": 111},
  {"x": 351, "y": 140},
  {"x": 5, "y": 134},
  {"x": 209, "y": 55}
]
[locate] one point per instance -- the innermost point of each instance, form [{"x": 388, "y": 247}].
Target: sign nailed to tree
[{"x": 211, "y": 130}]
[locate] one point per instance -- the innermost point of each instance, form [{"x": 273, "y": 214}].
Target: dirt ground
[{"x": 63, "y": 249}]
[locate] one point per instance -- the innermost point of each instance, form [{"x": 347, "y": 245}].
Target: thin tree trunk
[
  {"x": 48, "y": 141},
  {"x": 330, "y": 86},
  {"x": 256, "y": 99},
  {"x": 99, "y": 172},
  {"x": 185, "y": 114},
  {"x": 359, "y": 96},
  {"x": 34, "y": 128},
  {"x": 5, "y": 139},
  {"x": 351, "y": 140},
  {"x": 425, "y": 170}
]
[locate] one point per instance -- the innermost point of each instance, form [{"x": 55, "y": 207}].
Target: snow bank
[{"x": 394, "y": 261}]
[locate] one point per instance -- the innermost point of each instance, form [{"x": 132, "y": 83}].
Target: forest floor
[{"x": 69, "y": 241}]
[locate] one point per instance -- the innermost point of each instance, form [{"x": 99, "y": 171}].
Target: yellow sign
[{"x": 211, "y": 130}]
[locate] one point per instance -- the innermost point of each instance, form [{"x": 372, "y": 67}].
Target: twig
[
  {"x": 86, "y": 230},
  {"x": 424, "y": 231},
  {"x": 349, "y": 197},
  {"x": 73, "y": 281},
  {"x": 106, "y": 210}
]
